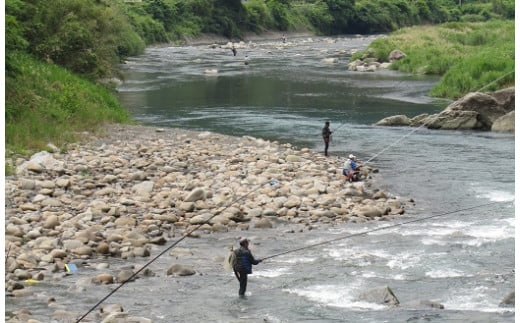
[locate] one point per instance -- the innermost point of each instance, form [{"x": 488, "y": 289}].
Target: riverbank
[
  {"x": 130, "y": 187},
  {"x": 484, "y": 53}
]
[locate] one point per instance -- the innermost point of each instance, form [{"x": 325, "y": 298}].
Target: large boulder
[
  {"x": 399, "y": 120},
  {"x": 396, "y": 55},
  {"x": 419, "y": 120},
  {"x": 506, "y": 98},
  {"x": 505, "y": 123},
  {"x": 453, "y": 120},
  {"x": 40, "y": 162},
  {"x": 475, "y": 110},
  {"x": 380, "y": 295}
]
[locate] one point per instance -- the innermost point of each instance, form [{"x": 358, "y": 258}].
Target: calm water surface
[{"x": 463, "y": 260}]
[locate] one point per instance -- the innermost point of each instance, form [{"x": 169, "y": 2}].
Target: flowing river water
[{"x": 463, "y": 260}]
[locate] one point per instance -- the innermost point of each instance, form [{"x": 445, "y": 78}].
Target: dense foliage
[
  {"x": 90, "y": 37},
  {"x": 175, "y": 19},
  {"x": 87, "y": 37}
]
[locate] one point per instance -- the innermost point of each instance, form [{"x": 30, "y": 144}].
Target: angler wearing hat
[
  {"x": 243, "y": 265},
  {"x": 351, "y": 168}
]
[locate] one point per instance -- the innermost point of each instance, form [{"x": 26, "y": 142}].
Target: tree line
[{"x": 90, "y": 37}]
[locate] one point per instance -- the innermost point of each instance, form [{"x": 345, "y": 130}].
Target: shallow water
[{"x": 463, "y": 258}]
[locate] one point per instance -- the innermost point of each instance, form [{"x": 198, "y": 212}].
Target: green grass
[
  {"x": 46, "y": 103},
  {"x": 468, "y": 56}
]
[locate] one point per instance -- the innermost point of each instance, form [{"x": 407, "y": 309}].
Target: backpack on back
[{"x": 231, "y": 260}]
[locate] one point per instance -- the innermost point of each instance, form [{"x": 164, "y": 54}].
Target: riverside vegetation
[
  {"x": 469, "y": 57},
  {"x": 57, "y": 52}
]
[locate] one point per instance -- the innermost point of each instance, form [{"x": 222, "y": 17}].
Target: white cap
[{"x": 351, "y": 156}]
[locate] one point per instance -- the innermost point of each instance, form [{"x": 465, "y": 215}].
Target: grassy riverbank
[
  {"x": 48, "y": 104},
  {"x": 469, "y": 56}
]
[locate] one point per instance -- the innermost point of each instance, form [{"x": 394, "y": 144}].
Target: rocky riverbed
[{"x": 130, "y": 187}]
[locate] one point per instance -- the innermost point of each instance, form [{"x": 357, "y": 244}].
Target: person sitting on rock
[{"x": 351, "y": 168}]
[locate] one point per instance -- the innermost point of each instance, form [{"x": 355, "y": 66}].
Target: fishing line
[
  {"x": 498, "y": 79},
  {"x": 379, "y": 229},
  {"x": 341, "y": 125},
  {"x": 187, "y": 234}
]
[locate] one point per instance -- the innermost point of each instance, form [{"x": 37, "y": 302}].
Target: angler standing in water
[
  {"x": 242, "y": 265},
  {"x": 325, "y": 132}
]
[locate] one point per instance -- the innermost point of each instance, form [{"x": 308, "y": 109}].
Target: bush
[
  {"x": 380, "y": 48},
  {"x": 14, "y": 34},
  {"x": 150, "y": 30},
  {"x": 489, "y": 69},
  {"x": 280, "y": 14},
  {"x": 472, "y": 18},
  {"x": 85, "y": 36},
  {"x": 317, "y": 16},
  {"x": 258, "y": 16},
  {"x": 504, "y": 8}
]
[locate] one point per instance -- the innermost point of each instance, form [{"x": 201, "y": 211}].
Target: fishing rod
[
  {"x": 340, "y": 126},
  {"x": 185, "y": 235},
  {"x": 379, "y": 229}
]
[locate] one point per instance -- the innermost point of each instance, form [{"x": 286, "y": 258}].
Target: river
[{"x": 463, "y": 259}]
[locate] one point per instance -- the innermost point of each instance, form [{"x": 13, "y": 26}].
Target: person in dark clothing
[
  {"x": 243, "y": 265},
  {"x": 325, "y": 132},
  {"x": 234, "y": 50}
]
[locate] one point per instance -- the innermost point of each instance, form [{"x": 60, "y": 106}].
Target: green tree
[
  {"x": 280, "y": 13},
  {"x": 89, "y": 37},
  {"x": 14, "y": 34},
  {"x": 342, "y": 12}
]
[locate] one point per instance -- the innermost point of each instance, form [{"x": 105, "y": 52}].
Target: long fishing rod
[
  {"x": 340, "y": 126},
  {"x": 379, "y": 229},
  {"x": 187, "y": 234}
]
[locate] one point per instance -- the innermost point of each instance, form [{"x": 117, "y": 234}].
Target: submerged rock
[
  {"x": 180, "y": 270},
  {"x": 380, "y": 295},
  {"x": 509, "y": 300}
]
